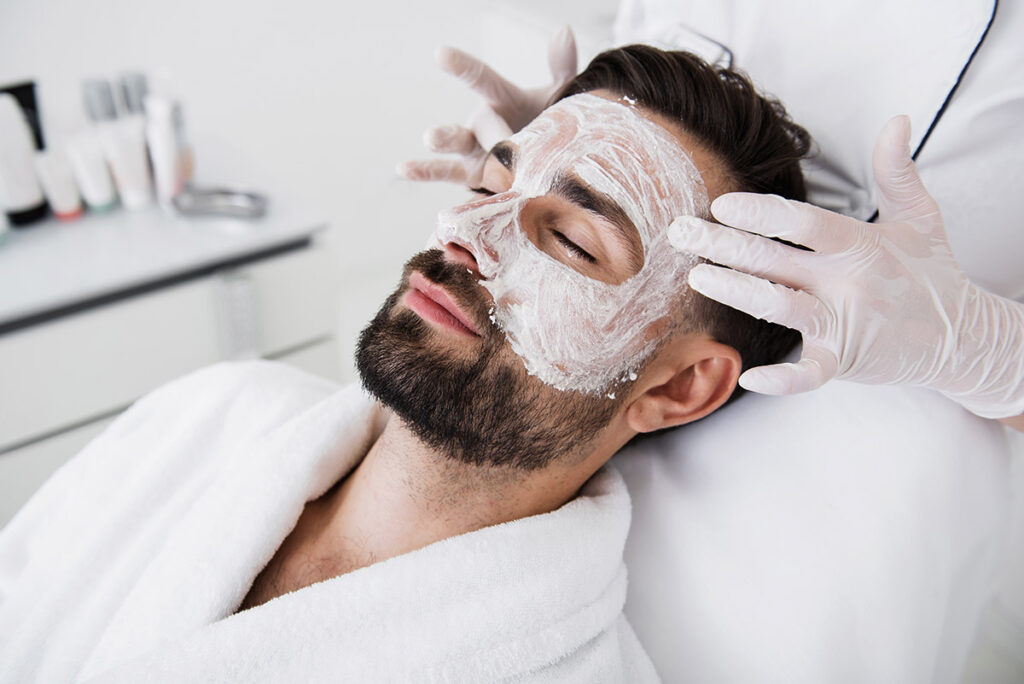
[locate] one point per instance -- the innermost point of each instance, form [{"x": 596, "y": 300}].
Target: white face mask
[{"x": 572, "y": 331}]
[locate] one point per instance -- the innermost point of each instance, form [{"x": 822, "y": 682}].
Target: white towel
[{"x": 128, "y": 564}]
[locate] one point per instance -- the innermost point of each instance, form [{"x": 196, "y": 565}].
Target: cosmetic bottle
[
  {"x": 168, "y": 147},
  {"x": 89, "y": 166},
  {"x": 134, "y": 88},
  {"x": 124, "y": 145},
  {"x": 21, "y": 198},
  {"x": 25, "y": 94},
  {"x": 59, "y": 185}
]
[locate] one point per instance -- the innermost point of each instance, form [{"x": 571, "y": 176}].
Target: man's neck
[{"x": 404, "y": 496}]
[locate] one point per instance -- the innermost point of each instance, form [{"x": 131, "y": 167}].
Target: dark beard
[{"x": 484, "y": 411}]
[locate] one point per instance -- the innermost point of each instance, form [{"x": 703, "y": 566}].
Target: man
[{"x": 249, "y": 523}]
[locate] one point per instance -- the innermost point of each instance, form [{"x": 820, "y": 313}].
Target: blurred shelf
[{"x": 53, "y": 268}]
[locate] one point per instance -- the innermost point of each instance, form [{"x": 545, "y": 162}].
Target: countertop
[{"x": 53, "y": 267}]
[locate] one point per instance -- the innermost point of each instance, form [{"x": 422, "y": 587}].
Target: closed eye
[
  {"x": 573, "y": 248},
  {"x": 483, "y": 191}
]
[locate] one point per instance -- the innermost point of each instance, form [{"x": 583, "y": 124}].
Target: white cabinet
[{"x": 62, "y": 380}]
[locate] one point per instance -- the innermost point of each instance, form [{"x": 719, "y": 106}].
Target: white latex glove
[
  {"x": 882, "y": 303},
  {"x": 506, "y": 109}
]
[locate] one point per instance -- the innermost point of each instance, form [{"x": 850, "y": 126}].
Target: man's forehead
[
  {"x": 589, "y": 115},
  {"x": 589, "y": 127},
  {"x": 613, "y": 147}
]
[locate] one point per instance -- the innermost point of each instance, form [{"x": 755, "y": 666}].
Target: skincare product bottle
[
  {"x": 89, "y": 166},
  {"x": 134, "y": 88},
  {"x": 165, "y": 133},
  {"x": 124, "y": 145},
  {"x": 21, "y": 198},
  {"x": 25, "y": 94},
  {"x": 59, "y": 186}
]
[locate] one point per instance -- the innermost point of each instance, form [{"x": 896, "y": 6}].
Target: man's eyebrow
[
  {"x": 505, "y": 153},
  {"x": 582, "y": 195}
]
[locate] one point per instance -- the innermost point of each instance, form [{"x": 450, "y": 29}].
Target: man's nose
[
  {"x": 461, "y": 254},
  {"x": 465, "y": 232}
]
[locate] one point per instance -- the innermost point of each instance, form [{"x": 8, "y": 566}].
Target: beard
[{"x": 476, "y": 405}]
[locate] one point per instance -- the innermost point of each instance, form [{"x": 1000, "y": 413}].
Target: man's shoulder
[
  {"x": 228, "y": 402},
  {"x": 253, "y": 374},
  {"x": 262, "y": 385}
]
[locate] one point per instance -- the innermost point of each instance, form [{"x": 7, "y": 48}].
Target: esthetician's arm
[
  {"x": 506, "y": 109},
  {"x": 877, "y": 303}
]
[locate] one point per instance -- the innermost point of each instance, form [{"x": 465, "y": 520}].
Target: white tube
[
  {"x": 90, "y": 170},
  {"x": 123, "y": 141},
  {"x": 124, "y": 145},
  {"x": 165, "y": 149},
  {"x": 58, "y": 185}
]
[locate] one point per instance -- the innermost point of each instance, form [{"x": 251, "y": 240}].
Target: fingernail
[
  {"x": 430, "y": 139},
  {"x": 726, "y": 207},
  {"x": 435, "y": 137},
  {"x": 755, "y": 382},
  {"x": 698, "y": 277},
  {"x": 895, "y": 135},
  {"x": 905, "y": 134},
  {"x": 405, "y": 170}
]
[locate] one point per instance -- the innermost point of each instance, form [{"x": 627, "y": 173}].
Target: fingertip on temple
[
  {"x": 700, "y": 276},
  {"x": 682, "y": 231},
  {"x": 739, "y": 207}
]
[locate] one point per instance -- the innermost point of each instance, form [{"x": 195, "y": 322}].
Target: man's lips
[{"x": 430, "y": 301}]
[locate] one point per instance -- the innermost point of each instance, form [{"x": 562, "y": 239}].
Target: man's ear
[{"x": 688, "y": 380}]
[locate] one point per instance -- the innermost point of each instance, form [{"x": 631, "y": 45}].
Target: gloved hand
[
  {"x": 881, "y": 303},
  {"x": 507, "y": 108}
]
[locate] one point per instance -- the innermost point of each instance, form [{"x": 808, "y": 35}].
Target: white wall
[{"x": 314, "y": 102}]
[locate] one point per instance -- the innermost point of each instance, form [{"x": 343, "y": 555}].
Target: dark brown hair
[{"x": 751, "y": 135}]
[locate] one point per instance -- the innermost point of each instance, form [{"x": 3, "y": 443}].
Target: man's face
[
  {"x": 570, "y": 286},
  {"x": 573, "y": 248}
]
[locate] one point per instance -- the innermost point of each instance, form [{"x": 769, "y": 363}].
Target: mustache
[{"x": 463, "y": 286}]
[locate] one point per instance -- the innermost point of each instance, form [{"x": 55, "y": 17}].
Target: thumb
[
  {"x": 901, "y": 194},
  {"x": 562, "y": 56},
  {"x": 817, "y": 366}
]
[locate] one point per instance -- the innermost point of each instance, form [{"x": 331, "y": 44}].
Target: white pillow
[
  {"x": 844, "y": 67},
  {"x": 845, "y": 535}
]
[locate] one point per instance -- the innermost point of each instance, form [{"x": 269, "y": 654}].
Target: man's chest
[
  {"x": 288, "y": 572},
  {"x": 301, "y": 560}
]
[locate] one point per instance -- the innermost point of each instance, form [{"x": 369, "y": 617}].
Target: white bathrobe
[{"x": 128, "y": 564}]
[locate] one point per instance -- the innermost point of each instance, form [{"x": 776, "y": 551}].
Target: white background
[{"x": 311, "y": 101}]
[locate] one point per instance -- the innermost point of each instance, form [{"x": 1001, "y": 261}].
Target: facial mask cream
[{"x": 572, "y": 331}]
